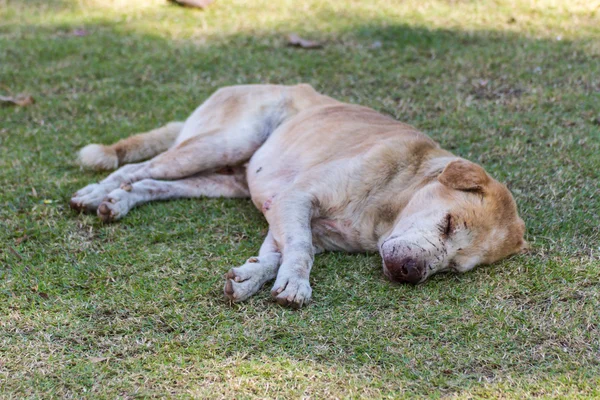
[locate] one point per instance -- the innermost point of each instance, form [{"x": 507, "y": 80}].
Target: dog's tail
[{"x": 134, "y": 148}]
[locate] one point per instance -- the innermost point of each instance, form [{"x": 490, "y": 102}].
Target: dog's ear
[{"x": 464, "y": 175}]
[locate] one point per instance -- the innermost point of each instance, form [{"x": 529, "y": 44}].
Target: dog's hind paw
[
  {"x": 88, "y": 199},
  {"x": 292, "y": 291},
  {"x": 114, "y": 206}
]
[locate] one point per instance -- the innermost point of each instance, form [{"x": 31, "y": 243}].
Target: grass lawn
[{"x": 135, "y": 308}]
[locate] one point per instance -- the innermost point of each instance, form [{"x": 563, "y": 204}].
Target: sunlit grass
[
  {"x": 542, "y": 18},
  {"x": 135, "y": 308}
]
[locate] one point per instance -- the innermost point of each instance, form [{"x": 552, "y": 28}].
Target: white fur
[{"x": 99, "y": 157}]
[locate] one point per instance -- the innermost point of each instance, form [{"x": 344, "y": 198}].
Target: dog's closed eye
[{"x": 446, "y": 227}]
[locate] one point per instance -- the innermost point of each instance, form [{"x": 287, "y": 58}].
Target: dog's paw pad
[
  {"x": 105, "y": 212},
  {"x": 112, "y": 209}
]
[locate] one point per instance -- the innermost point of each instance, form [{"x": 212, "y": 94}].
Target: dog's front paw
[
  {"x": 291, "y": 291},
  {"x": 89, "y": 198},
  {"x": 244, "y": 281},
  {"x": 114, "y": 206}
]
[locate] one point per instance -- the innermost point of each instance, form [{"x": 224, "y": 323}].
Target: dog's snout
[{"x": 404, "y": 269}]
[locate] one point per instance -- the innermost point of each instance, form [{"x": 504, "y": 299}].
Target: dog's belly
[{"x": 328, "y": 232}]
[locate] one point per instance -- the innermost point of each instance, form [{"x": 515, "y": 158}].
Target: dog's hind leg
[
  {"x": 224, "y": 131},
  {"x": 118, "y": 202},
  {"x": 208, "y": 152},
  {"x": 132, "y": 149},
  {"x": 242, "y": 282}
]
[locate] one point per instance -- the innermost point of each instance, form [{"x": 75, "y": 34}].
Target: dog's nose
[{"x": 404, "y": 269}]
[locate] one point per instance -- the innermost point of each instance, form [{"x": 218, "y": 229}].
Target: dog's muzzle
[{"x": 401, "y": 266}]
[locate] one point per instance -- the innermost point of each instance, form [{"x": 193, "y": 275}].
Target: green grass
[{"x": 135, "y": 308}]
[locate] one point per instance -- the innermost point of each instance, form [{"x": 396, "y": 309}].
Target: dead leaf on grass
[
  {"x": 35, "y": 289},
  {"x": 297, "y": 41},
  {"x": 202, "y": 4},
  {"x": 20, "y": 240},
  {"x": 80, "y": 32},
  {"x": 98, "y": 359},
  {"x": 20, "y": 100},
  {"x": 16, "y": 253}
]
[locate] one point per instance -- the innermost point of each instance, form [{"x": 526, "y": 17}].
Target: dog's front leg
[{"x": 289, "y": 217}]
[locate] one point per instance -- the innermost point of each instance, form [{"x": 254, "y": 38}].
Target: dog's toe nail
[
  {"x": 253, "y": 260},
  {"x": 228, "y": 288},
  {"x": 282, "y": 301}
]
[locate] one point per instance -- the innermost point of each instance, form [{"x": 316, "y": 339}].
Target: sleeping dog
[{"x": 326, "y": 175}]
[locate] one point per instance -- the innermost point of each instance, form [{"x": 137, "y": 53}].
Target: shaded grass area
[{"x": 135, "y": 308}]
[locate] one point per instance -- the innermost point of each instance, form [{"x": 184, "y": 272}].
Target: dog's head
[{"x": 461, "y": 219}]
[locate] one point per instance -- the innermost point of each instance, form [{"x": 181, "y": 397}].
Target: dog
[{"x": 326, "y": 175}]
